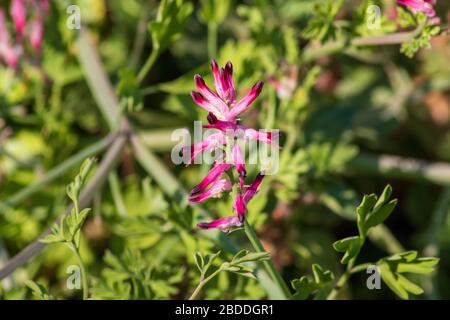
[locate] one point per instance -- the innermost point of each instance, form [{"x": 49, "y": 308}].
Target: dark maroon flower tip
[
  {"x": 229, "y": 68},
  {"x": 195, "y": 190},
  {"x": 242, "y": 173},
  {"x": 212, "y": 118},
  {"x": 203, "y": 225},
  {"x": 258, "y": 87},
  {"x": 197, "y": 97},
  {"x": 199, "y": 80},
  {"x": 214, "y": 64}
]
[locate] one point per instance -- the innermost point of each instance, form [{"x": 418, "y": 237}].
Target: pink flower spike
[
  {"x": 36, "y": 34},
  {"x": 215, "y": 191},
  {"x": 246, "y": 101},
  {"x": 213, "y": 174},
  {"x": 238, "y": 161},
  {"x": 240, "y": 207},
  {"x": 18, "y": 12},
  {"x": 224, "y": 224},
  {"x": 212, "y": 97},
  {"x": 253, "y": 188}
]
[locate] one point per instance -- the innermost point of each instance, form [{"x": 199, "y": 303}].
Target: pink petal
[
  {"x": 215, "y": 191},
  {"x": 224, "y": 224},
  {"x": 253, "y": 188},
  {"x": 212, "y": 97},
  {"x": 238, "y": 161},
  {"x": 203, "y": 103},
  {"x": 36, "y": 34},
  {"x": 214, "y": 174},
  {"x": 8, "y": 53},
  {"x": 263, "y": 136},
  {"x": 18, "y": 12},
  {"x": 230, "y": 92},
  {"x": 240, "y": 207},
  {"x": 245, "y": 102},
  {"x": 218, "y": 83},
  {"x": 209, "y": 143}
]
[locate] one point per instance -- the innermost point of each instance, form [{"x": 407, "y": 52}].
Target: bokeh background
[{"x": 353, "y": 119}]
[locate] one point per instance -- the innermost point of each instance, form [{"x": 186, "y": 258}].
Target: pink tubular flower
[
  {"x": 216, "y": 171},
  {"x": 238, "y": 161},
  {"x": 18, "y": 12},
  {"x": 239, "y": 131},
  {"x": 215, "y": 191},
  {"x": 225, "y": 224},
  {"x": 240, "y": 207},
  {"x": 223, "y": 110},
  {"x": 211, "y": 142},
  {"x": 7, "y": 52},
  {"x": 425, "y": 6},
  {"x": 223, "y": 103},
  {"x": 36, "y": 33},
  {"x": 286, "y": 84},
  {"x": 253, "y": 188}
]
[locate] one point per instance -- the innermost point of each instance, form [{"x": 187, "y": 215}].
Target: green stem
[
  {"x": 84, "y": 280},
  {"x": 202, "y": 283},
  {"x": 148, "y": 65},
  {"x": 345, "y": 277},
  {"x": 116, "y": 194},
  {"x": 212, "y": 40},
  {"x": 313, "y": 53},
  {"x": 390, "y": 166},
  {"x": 270, "y": 268}
]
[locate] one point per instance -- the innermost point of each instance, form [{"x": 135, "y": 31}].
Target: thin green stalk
[
  {"x": 313, "y": 53},
  {"x": 345, "y": 277},
  {"x": 434, "y": 232},
  {"x": 212, "y": 40},
  {"x": 202, "y": 283},
  {"x": 84, "y": 280},
  {"x": 56, "y": 172},
  {"x": 270, "y": 268},
  {"x": 97, "y": 79},
  {"x": 116, "y": 194},
  {"x": 148, "y": 65},
  {"x": 390, "y": 166}
]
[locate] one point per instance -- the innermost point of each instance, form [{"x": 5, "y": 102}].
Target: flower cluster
[
  {"x": 425, "y": 6},
  {"x": 12, "y": 49},
  {"x": 223, "y": 109}
]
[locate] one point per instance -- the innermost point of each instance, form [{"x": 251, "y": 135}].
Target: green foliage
[
  {"x": 342, "y": 110},
  {"x": 371, "y": 212},
  {"x": 421, "y": 41},
  {"x": 214, "y": 11},
  {"x": 169, "y": 24},
  {"x": 39, "y": 291},
  {"x": 392, "y": 270},
  {"x": 131, "y": 277},
  {"x": 305, "y": 286},
  {"x": 68, "y": 229},
  {"x": 128, "y": 88},
  {"x": 321, "y": 26}
]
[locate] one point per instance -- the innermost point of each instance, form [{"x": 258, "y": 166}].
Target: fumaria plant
[{"x": 335, "y": 84}]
